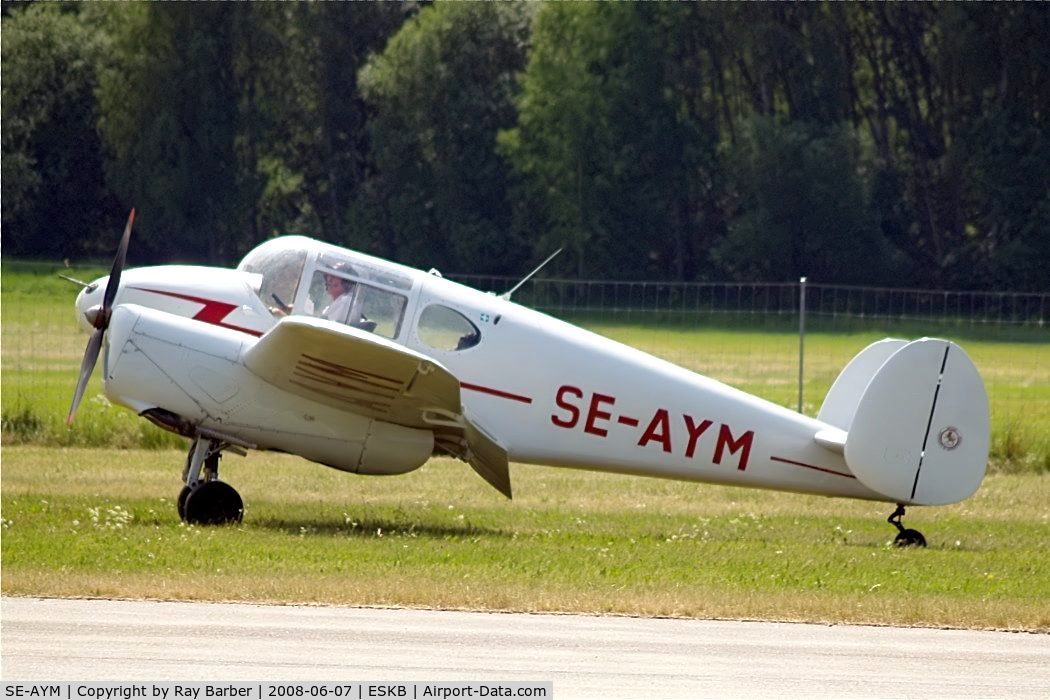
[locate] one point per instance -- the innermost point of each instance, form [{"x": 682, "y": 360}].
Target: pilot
[{"x": 342, "y": 292}]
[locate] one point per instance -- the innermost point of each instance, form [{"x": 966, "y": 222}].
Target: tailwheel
[
  {"x": 906, "y": 537},
  {"x": 909, "y": 538}
]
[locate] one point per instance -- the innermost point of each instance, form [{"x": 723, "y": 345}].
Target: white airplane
[{"x": 372, "y": 367}]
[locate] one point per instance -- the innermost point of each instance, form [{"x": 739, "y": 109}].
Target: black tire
[
  {"x": 181, "y": 503},
  {"x": 909, "y": 538},
  {"x": 214, "y": 503}
]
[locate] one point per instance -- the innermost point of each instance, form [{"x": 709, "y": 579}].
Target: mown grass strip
[{"x": 102, "y": 523}]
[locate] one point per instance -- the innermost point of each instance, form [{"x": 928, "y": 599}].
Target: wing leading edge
[{"x": 362, "y": 373}]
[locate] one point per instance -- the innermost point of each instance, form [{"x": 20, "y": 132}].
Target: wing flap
[{"x": 488, "y": 458}]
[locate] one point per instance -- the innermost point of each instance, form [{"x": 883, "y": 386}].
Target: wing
[
  {"x": 366, "y": 374},
  {"x": 353, "y": 370}
]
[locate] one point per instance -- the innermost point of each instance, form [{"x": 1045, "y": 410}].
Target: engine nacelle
[{"x": 194, "y": 370}]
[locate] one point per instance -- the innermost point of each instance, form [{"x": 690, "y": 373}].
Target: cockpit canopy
[{"x": 304, "y": 276}]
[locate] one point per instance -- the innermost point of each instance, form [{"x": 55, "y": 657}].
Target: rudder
[{"x": 920, "y": 430}]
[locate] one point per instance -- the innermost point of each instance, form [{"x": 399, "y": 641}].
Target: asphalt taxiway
[{"x": 584, "y": 656}]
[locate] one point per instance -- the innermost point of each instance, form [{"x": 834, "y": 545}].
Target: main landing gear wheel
[
  {"x": 906, "y": 537},
  {"x": 181, "y": 504},
  {"x": 204, "y": 500},
  {"x": 211, "y": 467},
  {"x": 214, "y": 503}
]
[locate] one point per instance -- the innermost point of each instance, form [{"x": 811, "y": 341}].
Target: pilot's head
[{"x": 336, "y": 286}]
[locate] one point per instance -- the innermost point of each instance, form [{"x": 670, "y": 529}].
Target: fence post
[{"x": 801, "y": 336}]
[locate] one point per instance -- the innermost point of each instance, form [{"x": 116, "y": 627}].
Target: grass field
[
  {"x": 90, "y": 522},
  {"x": 102, "y": 521}
]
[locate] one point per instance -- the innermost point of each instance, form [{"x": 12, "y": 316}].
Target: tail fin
[
  {"x": 840, "y": 404},
  {"x": 917, "y": 431}
]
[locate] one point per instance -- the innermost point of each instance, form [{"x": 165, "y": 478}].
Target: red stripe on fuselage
[
  {"x": 213, "y": 312},
  {"x": 495, "y": 392},
  {"x": 810, "y": 466}
]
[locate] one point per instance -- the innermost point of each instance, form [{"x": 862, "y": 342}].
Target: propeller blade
[
  {"x": 118, "y": 266},
  {"x": 86, "y": 366},
  {"x": 99, "y": 318}
]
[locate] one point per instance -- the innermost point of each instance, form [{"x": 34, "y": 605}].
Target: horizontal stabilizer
[
  {"x": 832, "y": 439},
  {"x": 920, "y": 431}
]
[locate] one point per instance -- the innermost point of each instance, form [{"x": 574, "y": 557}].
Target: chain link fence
[
  {"x": 744, "y": 334},
  {"x": 697, "y": 300}
]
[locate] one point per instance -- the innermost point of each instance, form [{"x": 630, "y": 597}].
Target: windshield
[
  {"x": 303, "y": 276},
  {"x": 280, "y": 267}
]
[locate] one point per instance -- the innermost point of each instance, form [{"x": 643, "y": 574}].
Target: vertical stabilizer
[
  {"x": 840, "y": 405},
  {"x": 920, "y": 432}
]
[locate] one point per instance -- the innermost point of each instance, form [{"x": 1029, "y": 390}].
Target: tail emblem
[{"x": 950, "y": 438}]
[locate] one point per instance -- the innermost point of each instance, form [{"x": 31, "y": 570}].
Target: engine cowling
[{"x": 160, "y": 364}]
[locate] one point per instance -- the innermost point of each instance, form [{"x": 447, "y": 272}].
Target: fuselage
[
  {"x": 556, "y": 394},
  {"x": 549, "y": 392}
]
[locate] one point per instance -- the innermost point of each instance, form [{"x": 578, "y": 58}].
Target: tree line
[{"x": 868, "y": 143}]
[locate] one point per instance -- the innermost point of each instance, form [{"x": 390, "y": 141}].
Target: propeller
[{"x": 98, "y": 317}]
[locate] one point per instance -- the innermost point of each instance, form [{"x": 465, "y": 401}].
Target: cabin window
[
  {"x": 345, "y": 300},
  {"x": 443, "y": 328},
  {"x": 381, "y": 311}
]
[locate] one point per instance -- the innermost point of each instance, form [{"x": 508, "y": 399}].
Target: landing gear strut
[
  {"x": 905, "y": 537},
  {"x": 204, "y": 500}
]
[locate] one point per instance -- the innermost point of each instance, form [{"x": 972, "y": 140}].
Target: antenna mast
[{"x": 506, "y": 295}]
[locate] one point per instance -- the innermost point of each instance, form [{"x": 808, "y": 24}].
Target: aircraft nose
[{"x": 88, "y": 297}]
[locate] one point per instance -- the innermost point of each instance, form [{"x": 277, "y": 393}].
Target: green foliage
[
  {"x": 169, "y": 94},
  {"x": 54, "y": 201},
  {"x": 313, "y": 142},
  {"x": 802, "y": 210},
  {"x": 23, "y": 425},
  {"x": 1007, "y": 236},
  {"x": 440, "y": 91},
  {"x": 559, "y": 128},
  {"x": 954, "y": 101},
  {"x": 606, "y": 144},
  {"x": 653, "y": 140}
]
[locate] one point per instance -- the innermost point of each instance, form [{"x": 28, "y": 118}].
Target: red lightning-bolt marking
[{"x": 213, "y": 312}]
